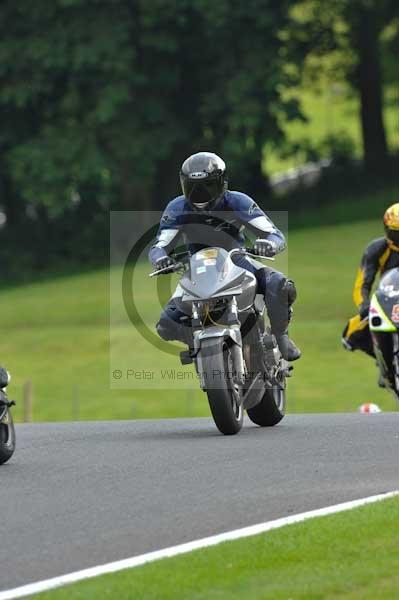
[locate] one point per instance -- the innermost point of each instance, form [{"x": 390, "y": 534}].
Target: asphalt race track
[{"x": 81, "y": 494}]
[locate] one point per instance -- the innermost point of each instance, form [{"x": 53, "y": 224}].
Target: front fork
[
  {"x": 229, "y": 332},
  {"x": 395, "y": 346},
  {"x": 5, "y": 405},
  {"x": 388, "y": 363}
]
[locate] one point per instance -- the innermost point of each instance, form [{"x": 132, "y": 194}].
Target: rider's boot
[
  {"x": 279, "y": 297},
  {"x": 287, "y": 347}
]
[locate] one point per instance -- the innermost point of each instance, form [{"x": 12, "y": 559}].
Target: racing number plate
[
  {"x": 395, "y": 313},
  {"x": 209, "y": 253}
]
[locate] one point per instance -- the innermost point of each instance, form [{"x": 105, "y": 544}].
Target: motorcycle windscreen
[{"x": 211, "y": 273}]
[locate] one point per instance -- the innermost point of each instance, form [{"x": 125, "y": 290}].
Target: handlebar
[
  {"x": 186, "y": 255},
  {"x": 250, "y": 252},
  {"x": 170, "y": 269}
]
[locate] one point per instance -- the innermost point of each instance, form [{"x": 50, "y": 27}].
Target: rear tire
[
  {"x": 7, "y": 438},
  {"x": 224, "y": 393},
  {"x": 271, "y": 408}
]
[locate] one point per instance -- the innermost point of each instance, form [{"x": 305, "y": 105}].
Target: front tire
[
  {"x": 223, "y": 391},
  {"x": 271, "y": 409},
  {"x": 7, "y": 437}
]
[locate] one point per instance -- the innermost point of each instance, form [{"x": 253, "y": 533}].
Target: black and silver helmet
[{"x": 203, "y": 180}]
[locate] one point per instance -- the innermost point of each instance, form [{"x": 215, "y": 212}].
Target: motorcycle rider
[
  {"x": 380, "y": 255},
  {"x": 208, "y": 214}
]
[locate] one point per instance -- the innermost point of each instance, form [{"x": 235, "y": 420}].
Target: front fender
[
  {"x": 217, "y": 332},
  {"x": 218, "y": 335}
]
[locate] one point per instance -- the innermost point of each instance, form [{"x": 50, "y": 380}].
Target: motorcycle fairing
[
  {"x": 378, "y": 319},
  {"x": 212, "y": 273}
]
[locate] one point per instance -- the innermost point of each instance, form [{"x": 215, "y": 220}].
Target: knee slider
[
  {"x": 292, "y": 293},
  {"x": 165, "y": 330},
  {"x": 288, "y": 292},
  {"x": 169, "y": 329}
]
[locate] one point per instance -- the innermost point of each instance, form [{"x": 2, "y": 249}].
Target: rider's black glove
[
  {"x": 163, "y": 262},
  {"x": 364, "y": 309},
  {"x": 265, "y": 248}
]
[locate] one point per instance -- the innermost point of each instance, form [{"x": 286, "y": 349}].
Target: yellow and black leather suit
[{"x": 380, "y": 256}]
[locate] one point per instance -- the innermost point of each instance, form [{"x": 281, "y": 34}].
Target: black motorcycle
[
  {"x": 7, "y": 430},
  {"x": 237, "y": 359}
]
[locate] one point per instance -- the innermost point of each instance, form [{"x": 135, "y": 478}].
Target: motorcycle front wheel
[
  {"x": 223, "y": 391},
  {"x": 7, "y": 437}
]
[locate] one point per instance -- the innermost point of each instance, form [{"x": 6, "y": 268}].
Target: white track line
[{"x": 136, "y": 561}]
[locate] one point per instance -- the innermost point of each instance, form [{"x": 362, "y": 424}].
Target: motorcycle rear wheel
[
  {"x": 7, "y": 437},
  {"x": 271, "y": 409},
  {"x": 224, "y": 394}
]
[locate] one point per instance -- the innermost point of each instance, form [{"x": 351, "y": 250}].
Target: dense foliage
[{"x": 101, "y": 100}]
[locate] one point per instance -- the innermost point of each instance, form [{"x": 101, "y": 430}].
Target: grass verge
[
  {"x": 56, "y": 334},
  {"x": 351, "y": 555}
]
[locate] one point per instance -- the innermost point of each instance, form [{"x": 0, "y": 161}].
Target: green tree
[
  {"x": 101, "y": 100},
  {"x": 350, "y": 31},
  {"x": 243, "y": 100},
  {"x": 230, "y": 71}
]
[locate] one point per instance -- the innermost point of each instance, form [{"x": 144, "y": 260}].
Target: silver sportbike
[{"x": 237, "y": 359}]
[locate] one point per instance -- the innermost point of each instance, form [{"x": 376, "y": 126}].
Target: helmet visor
[
  {"x": 393, "y": 235},
  {"x": 201, "y": 194}
]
